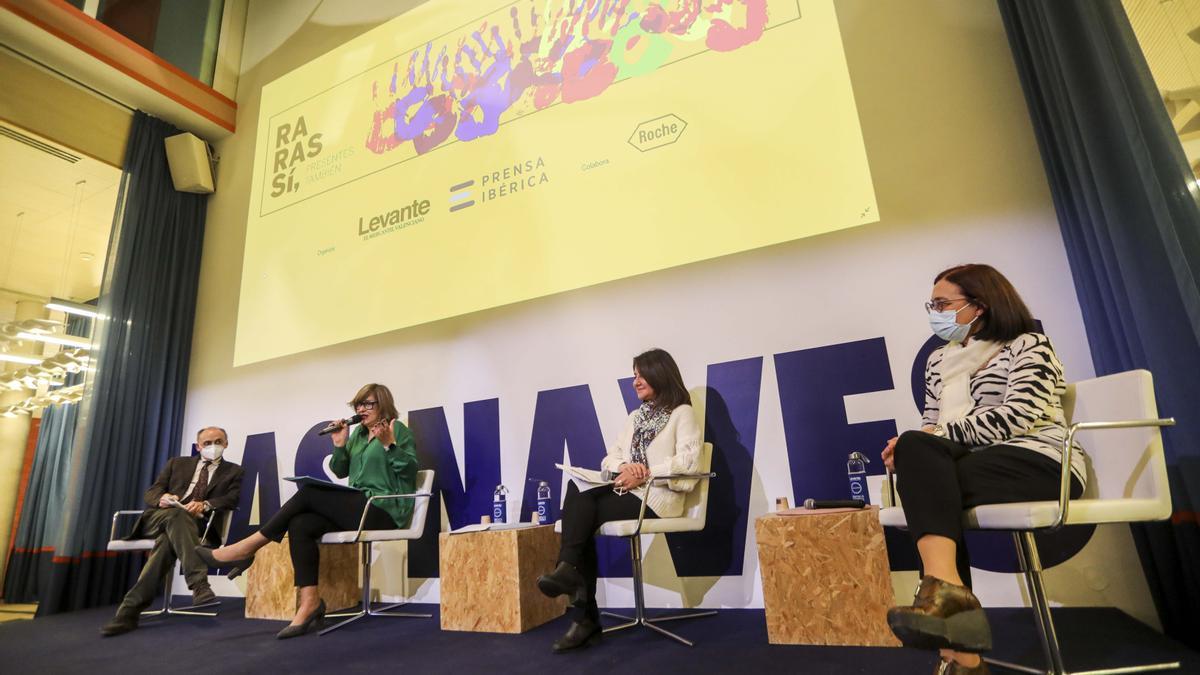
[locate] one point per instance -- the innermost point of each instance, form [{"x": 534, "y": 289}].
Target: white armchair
[
  {"x": 219, "y": 519},
  {"x": 1129, "y": 485},
  {"x": 695, "y": 512},
  {"x": 365, "y": 538}
]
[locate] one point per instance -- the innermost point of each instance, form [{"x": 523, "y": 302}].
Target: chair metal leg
[
  {"x": 639, "y": 617},
  {"x": 387, "y": 611},
  {"x": 1031, "y": 565},
  {"x": 168, "y": 609},
  {"x": 364, "y": 609},
  {"x": 688, "y": 615}
]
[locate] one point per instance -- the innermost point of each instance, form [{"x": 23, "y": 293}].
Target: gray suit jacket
[{"x": 224, "y": 489}]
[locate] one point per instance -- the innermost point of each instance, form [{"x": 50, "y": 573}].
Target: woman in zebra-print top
[{"x": 993, "y": 432}]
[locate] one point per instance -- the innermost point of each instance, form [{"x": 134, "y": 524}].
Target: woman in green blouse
[{"x": 379, "y": 457}]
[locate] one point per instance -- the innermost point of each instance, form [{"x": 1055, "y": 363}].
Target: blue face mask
[{"x": 945, "y": 325}]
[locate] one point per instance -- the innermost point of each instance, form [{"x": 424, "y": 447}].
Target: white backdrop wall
[{"x": 958, "y": 178}]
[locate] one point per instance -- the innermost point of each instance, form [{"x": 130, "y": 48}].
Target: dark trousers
[
  {"x": 311, "y": 513},
  {"x": 582, "y": 514},
  {"x": 176, "y": 535},
  {"x": 938, "y": 479}
]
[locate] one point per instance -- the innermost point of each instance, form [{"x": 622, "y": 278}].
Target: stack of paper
[
  {"x": 584, "y": 479},
  {"x": 492, "y": 527}
]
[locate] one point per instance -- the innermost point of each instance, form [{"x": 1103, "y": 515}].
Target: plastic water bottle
[
  {"x": 500, "y": 505},
  {"x": 856, "y": 469},
  {"x": 543, "y": 502}
]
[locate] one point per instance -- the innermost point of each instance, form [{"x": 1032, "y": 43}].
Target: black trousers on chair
[
  {"x": 582, "y": 514},
  {"x": 312, "y": 512},
  {"x": 938, "y": 479}
]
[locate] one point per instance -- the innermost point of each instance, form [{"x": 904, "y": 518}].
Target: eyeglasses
[
  {"x": 366, "y": 405},
  {"x": 942, "y": 304}
]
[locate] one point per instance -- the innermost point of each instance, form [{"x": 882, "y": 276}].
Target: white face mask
[
  {"x": 212, "y": 452},
  {"x": 945, "y": 324}
]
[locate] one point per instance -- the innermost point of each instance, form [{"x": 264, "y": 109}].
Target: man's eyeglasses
[
  {"x": 366, "y": 405},
  {"x": 942, "y": 304}
]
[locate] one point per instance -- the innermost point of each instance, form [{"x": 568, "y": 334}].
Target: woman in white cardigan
[{"x": 661, "y": 437}]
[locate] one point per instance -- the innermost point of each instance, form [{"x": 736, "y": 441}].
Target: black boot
[
  {"x": 564, "y": 580},
  {"x": 203, "y": 595},
  {"x": 123, "y": 622},
  {"x": 583, "y": 633}
]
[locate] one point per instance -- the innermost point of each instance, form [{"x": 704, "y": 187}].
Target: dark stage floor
[{"x": 735, "y": 641}]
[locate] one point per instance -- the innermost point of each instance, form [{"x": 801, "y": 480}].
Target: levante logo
[
  {"x": 294, "y": 146},
  {"x": 385, "y": 222}
]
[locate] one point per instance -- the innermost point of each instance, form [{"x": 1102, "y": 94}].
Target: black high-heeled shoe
[
  {"x": 236, "y": 567},
  {"x": 564, "y": 580},
  {"x": 314, "y": 622}
]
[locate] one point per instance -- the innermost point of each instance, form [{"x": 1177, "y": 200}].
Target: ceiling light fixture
[
  {"x": 13, "y": 358},
  {"x": 72, "y": 307},
  {"x": 55, "y": 339}
]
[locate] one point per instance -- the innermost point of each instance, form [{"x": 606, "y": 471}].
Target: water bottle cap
[{"x": 856, "y": 455}]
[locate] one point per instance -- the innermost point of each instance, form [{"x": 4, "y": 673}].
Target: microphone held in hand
[
  {"x": 811, "y": 503},
  {"x": 333, "y": 426}
]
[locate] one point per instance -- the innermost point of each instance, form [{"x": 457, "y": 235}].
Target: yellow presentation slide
[{"x": 470, "y": 154}]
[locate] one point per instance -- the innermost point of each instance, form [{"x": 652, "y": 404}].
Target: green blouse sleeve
[
  {"x": 402, "y": 465},
  {"x": 403, "y": 459},
  {"x": 340, "y": 462}
]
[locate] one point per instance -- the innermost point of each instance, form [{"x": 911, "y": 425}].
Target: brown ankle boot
[
  {"x": 955, "y": 668},
  {"x": 942, "y": 616}
]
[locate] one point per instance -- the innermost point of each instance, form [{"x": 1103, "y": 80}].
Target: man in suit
[{"x": 186, "y": 491}]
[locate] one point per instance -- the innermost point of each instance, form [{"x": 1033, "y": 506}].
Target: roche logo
[{"x": 657, "y": 132}]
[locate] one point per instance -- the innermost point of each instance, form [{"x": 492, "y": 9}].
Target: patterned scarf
[{"x": 648, "y": 421}]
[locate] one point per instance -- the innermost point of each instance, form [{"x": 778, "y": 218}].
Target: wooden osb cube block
[
  {"x": 825, "y": 578},
  {"x": 270, "y": 582},
  {"x": 489, "y": 579}
]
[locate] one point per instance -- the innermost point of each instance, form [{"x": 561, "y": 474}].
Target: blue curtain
[
  {"x": 1127, "y": 205},
  {"x": 132, "y": 415},
  {"x": 41, "y": 511}
]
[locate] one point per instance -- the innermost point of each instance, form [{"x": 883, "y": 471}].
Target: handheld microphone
[
  {"x": 333, "y": 426},
  {"x": 811, "y": 503}
]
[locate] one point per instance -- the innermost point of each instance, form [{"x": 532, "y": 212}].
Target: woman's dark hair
[
  {"x": 1005, "y": 315},
  {"x": 659, "y": 371}
]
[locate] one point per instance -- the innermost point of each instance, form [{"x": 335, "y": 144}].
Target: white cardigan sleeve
[{"x": 686, "y": 458}]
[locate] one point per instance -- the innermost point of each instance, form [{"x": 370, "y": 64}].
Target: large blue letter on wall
[
  {"x": 567, "y": 417},
  {"x": 731, "y": 425},
  {"x": 312, "y": 451},
  {"x": 481, "y": 464},
  {"x": 812, "y": 386},
  {"x": 262, "y": 473}
]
